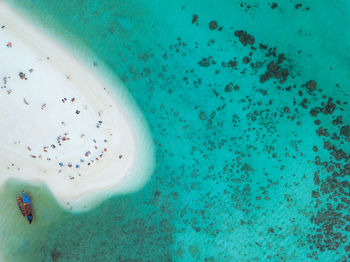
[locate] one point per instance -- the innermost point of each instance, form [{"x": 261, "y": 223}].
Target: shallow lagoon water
[{"x": 237, "y": 174}]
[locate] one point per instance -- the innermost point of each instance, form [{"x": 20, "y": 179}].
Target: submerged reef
[
  {"x": 263, "y": 119},
  {"x": 247, "y": 120}
]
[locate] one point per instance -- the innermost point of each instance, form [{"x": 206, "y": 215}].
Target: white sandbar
[{"x": 62, "y": 122}]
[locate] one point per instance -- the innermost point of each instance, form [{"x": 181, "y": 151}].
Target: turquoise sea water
[{"x": 244, "y": 172}]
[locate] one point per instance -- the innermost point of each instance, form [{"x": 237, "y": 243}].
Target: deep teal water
[{"x": 241, "y": 173}]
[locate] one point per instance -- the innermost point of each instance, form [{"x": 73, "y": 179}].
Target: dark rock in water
[
  {"x": 327, "y": 145},
  {"x": 195, "y": 19},
  {"x": 347, "y": 249},
  {"x": 205, "y": 62},
  {"x": 311, "y": 85},
  {"x": 202, "y": 116},
  {"x": 245, "y": 38},
  {"x": 304, "y": 103},
  {"x": 274, "y": 71},
  {"x": 285, "y": 74},
  {"x": 313, "y": 112},
  {"x": 246, "y": 60},
  {"x": 213, "y": 25},
  {"x": 345, "y": 131},
  {"x": 316, "y": 179},
  {"x": 264, "y": 78},
  {"x": 55, "y": 255},
  {"x": 315, "y": 194},
  {"x": 262, "y": 46},
  {"x": 338, "y": 120},
  {"x": 231, "y": 64},
  {"x": 274, "y": 5},
  {"x": 339, "y": 154},
  {"x": 329, "y": 107},
  {"x": 297, "y": 6},
  {"x": 281, "y": 58},
  {"x": 229, "y": 87},
  {"x": 324, "y": 188}
]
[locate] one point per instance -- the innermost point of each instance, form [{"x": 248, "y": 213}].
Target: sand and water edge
[{"x": 80, "y": 132}]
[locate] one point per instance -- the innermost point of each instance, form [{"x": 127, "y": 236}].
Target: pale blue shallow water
[{"x": 237, "y": 174}]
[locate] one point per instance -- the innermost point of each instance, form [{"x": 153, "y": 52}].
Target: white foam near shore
[{"x": 63, "y": 124}]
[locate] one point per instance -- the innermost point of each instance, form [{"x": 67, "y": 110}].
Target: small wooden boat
[
  {"x": 21, "y": 206},
  {"x": 27, "y": 207}
]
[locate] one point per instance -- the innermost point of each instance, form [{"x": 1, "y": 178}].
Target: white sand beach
[{"x": 62, "y": 123}]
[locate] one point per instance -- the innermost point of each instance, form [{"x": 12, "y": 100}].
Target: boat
[
  {"x": 27, "y": 207},
  {"x": 21, "y": 206}
]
